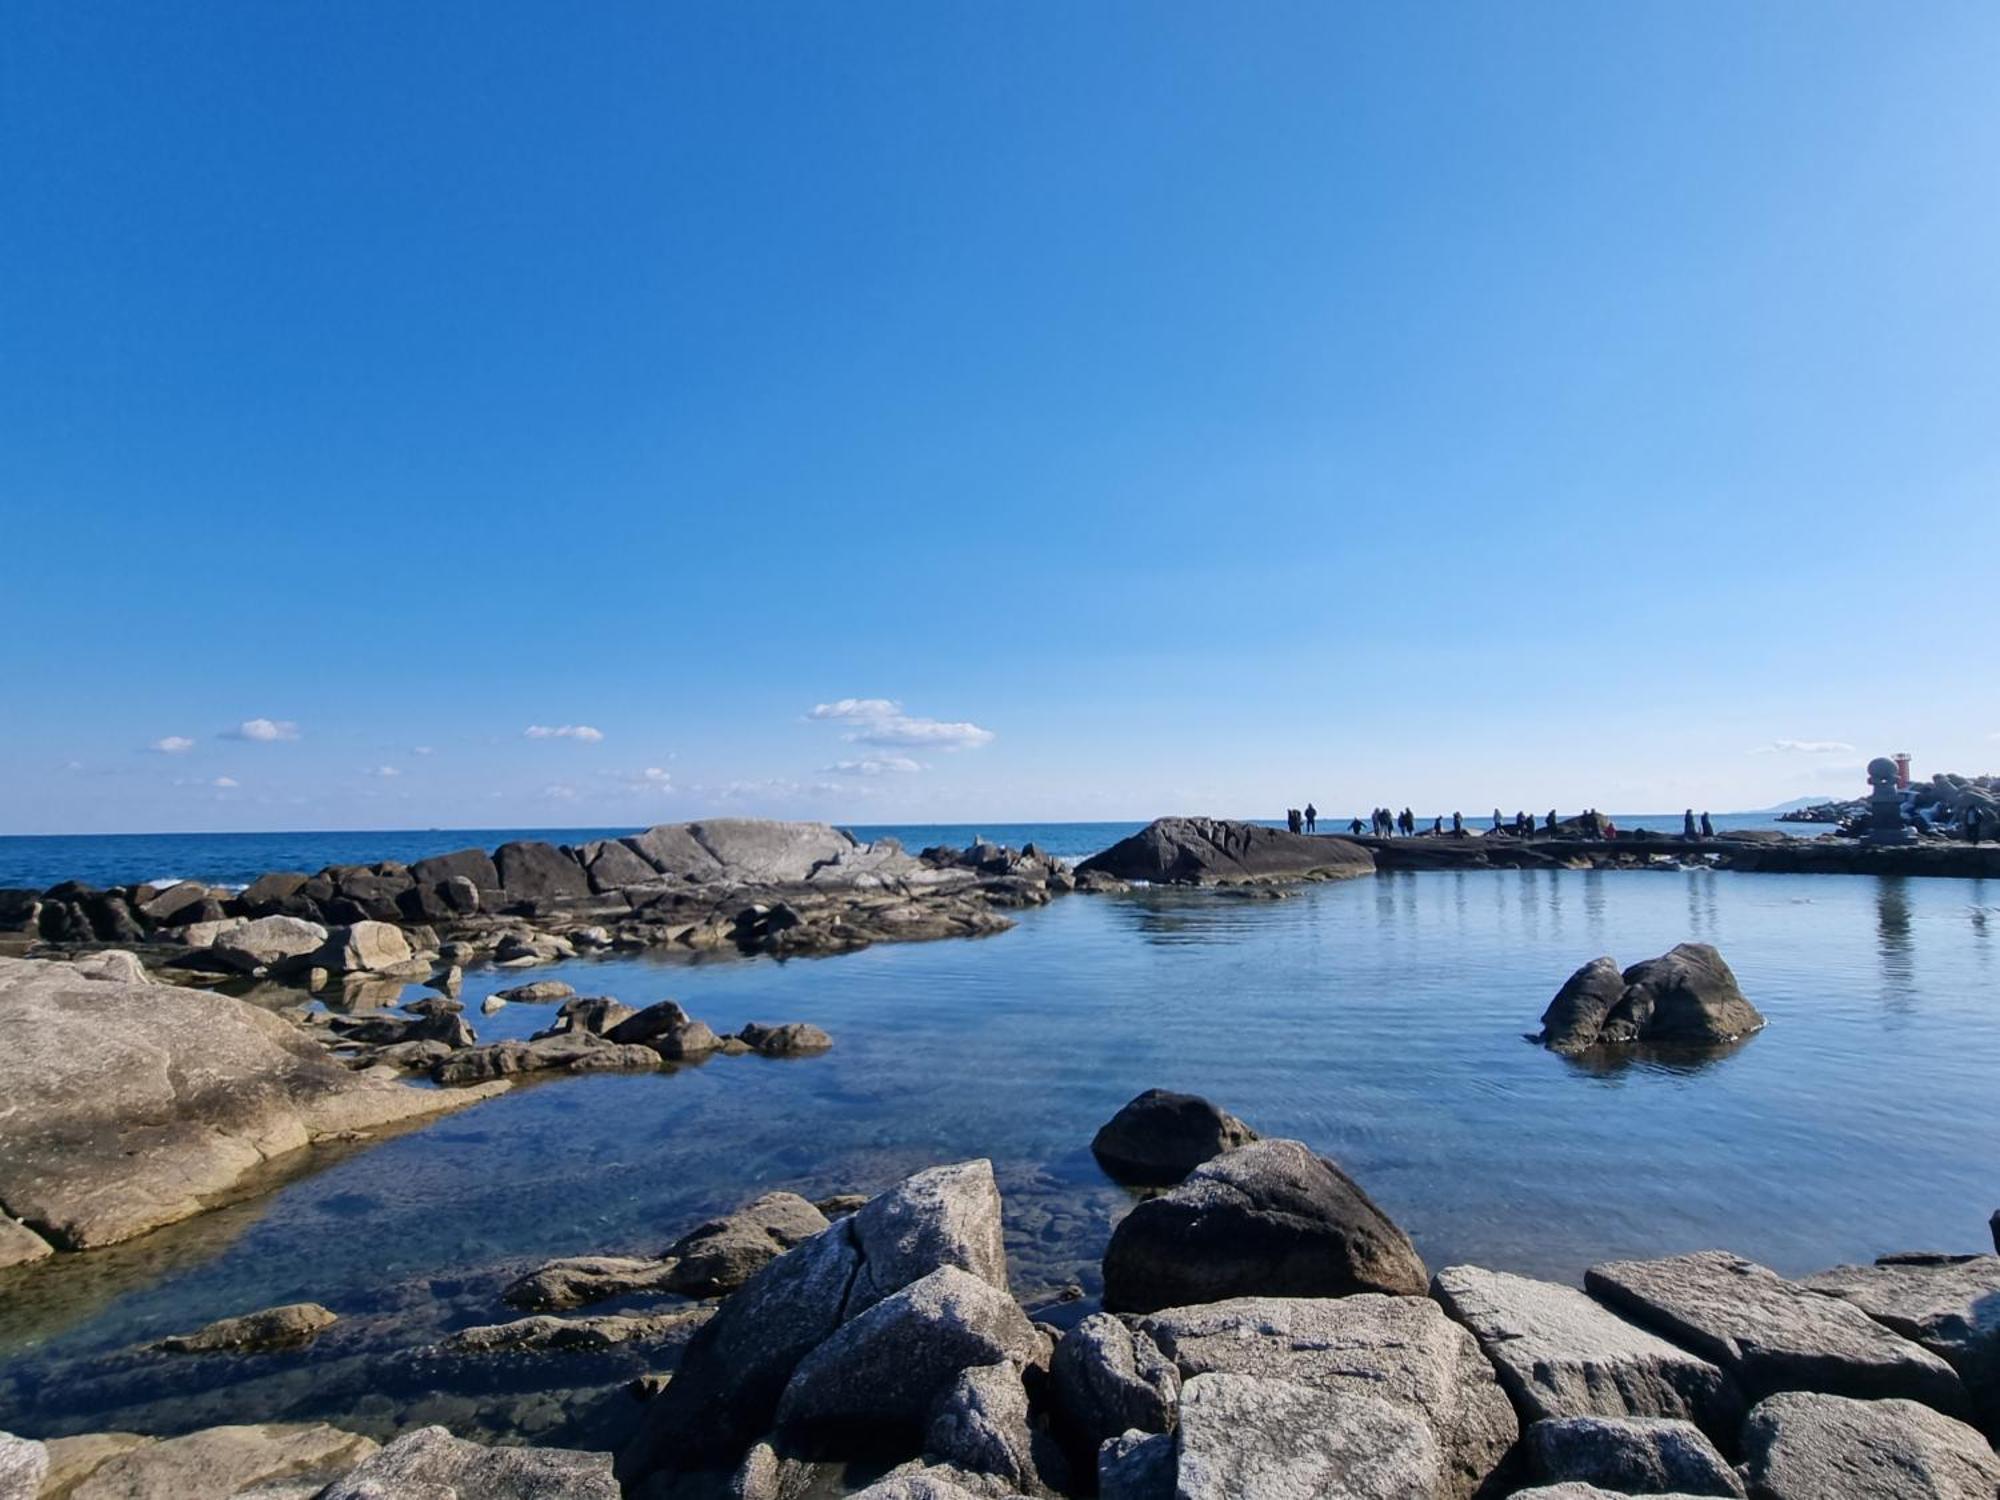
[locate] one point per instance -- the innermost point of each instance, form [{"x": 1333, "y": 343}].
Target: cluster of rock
[
  {"x": 1685, "y": 998},
  {"x": 127, "y": 1104},
  {"x": 745, "y": 883},
  {"x": 1280, "y": 1338},
  {"x": 1944, "y": 803},
  {"x": 1210, "y": 851}
]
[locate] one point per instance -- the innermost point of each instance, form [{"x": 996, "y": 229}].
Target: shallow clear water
[{"x": 1380, "y": 1020}]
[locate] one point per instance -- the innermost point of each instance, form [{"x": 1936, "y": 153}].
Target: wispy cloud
[
  {"x": 1805, "y": 747},
  {"x": 882, "y": 722},
  {"x": 557, "y": 791},
  {"x": 172, "y": 744},
  {"x": 584, "y": 732},
  {"x": 655, "y": 777},
  {"x": 263, "y": 731},
  {"x": 225, "y": 781},
  {"x": 384, "y": 772},
  {"x": 422, "y": 750},
  {"x": 887, "y": 765}
]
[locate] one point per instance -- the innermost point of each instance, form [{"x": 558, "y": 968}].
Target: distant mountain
[{"x": 1793, "y": 806}]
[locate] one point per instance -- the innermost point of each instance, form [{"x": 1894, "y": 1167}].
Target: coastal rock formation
[
  {"x": 1244, "y": 1437},
  {"x": 1687, "y": 997},
  {"x": 1561, "y": 1354},
  {"x": 583, "y": 1279},
  {"x": 1207, "y": 850},
  {"x": 715, "y": 1258},
  {"x": 1109, "y": 1379},
  {"x": 431, "y": 1464},
  {"x": 1269, "y": 1219},
  {"x": 786, "y": 1039},
  {"x": 1160, "y": 1137},
  {"x": 1800, "y": 1446},
  {"x": 1401, "y": 1350},
  {"x": 24, "y": 1463},
  {"x": 292, "y": 1326},
  {"x": 1771, "y": 1334},
  {"x": 131, "y": 1106},
  {"x": 214, "y": 1461},
  {"x": 1950, "y": 1304},
  {"x": 1630, "y": 1455}
]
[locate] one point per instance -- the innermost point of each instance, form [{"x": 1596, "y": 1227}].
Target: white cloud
[
  {"x": 385, "y": 772},
  {"x": 556, "y": 791},
  {"x": 887, "y": 765},
  {"x": 882, "y": 722},
  {"x": 173, "y": 744},
  {"x": 653, "y": 776},
  {"x": 422, "y": 750},
  {"x": 225, "y": 781},
  {"x": 264, "y": 731},
  {"x": 583, "y": 732},
  {"x": 1805, "y": 747}
]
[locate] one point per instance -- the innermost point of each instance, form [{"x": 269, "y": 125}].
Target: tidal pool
[{"x": 1380, "y": 1020}]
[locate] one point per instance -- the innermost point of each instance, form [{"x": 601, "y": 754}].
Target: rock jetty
[{"x": 1210, "y": 851}]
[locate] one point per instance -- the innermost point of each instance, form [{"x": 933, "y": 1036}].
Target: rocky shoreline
[{"x": 1272, "y": 1334}]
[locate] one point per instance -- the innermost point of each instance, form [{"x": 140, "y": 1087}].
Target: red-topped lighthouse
[{"x": 1902, "y": 759}]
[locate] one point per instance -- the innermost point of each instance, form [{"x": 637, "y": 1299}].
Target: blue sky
[{"x": 895, "y": 412}]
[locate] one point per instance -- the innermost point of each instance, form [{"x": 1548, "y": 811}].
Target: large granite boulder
[
  {"x": 1948, "y": 1303},
  {"x": 269, "y": 943},
  {"x": 1560, "y": 1354},
  {"x": 1160, "y": 1137},
  {"x": 1630, "y": 1455},
  {"x": 1269, "y": 1219},
  {"x": 473, "y": 865},
  {"x": 715, "y": 1258},
  {"x": 1771, "y": 1334},
  {"x": 943, "y": 1216},
  {"x": 610, "y": 865},
  {"x": 1685, "y": 998},
  {"x": 216, "y": 1462},
  {"x": 1246, "y": 1437},
  {"x": 871, "y": 1386},
  {"x": 1209, "y": 850},
  {"x": 1402, "y": 1350},
  {"x": 981, "y": 1423},
  {"x": 534, "y": 871},
  {"x": 131, "y": 1106},
  {"x": 365, "y": 947},
  {"x": 1812, "y": 1446},
  {"x": 431, "y": 1464},
  {"x": 1109, "y": 1380}
]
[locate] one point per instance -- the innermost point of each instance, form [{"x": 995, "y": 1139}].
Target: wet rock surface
[
  {"x": 1160, "y": 1137},
  {"x": 1685, "y": 998},
  {"x": 289, "y": 1327}
]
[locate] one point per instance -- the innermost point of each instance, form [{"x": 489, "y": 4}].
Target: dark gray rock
[
  {"x": 1771, "y": 1334},
  {"x": 1577, "y": 1014},
  {"x": 873, "y": 1384},
  {"x": 448, "y": 1027},
  {"x": 166, "y": 908},
  {"x": 268, "y": 890},
  {"x": 537, "y": 871},
  {"x": 537, "y": 992},
  {"x": 1402, "y": 1350},
  {"x": 1215, "y": 849},
  {"x": 1560, "y": 1354},
  {"x": 431, "y": 1464},
  {"x": 1269, "y": 1219},
  {"x": 667, "y": 1029},
  {"x": 1108, "y": 1381},
  {"x": 596, "y": 1014},
  {"x": 981, "y": 1422},
  {"x": 583, "y": 1279},
  {"x": 1160, "y": 1137},
  {"x": 717, "y": 1257},
  {"x": 570, "y": 1051},
  {"x": 1810, "y": 1446},
  {"x": 726, "y": 1390},
  {"x": 1685, "y": 998},
  {"x": 1136, "y": 1466},
  {"x": 1245, "y": 1437},
  {"x": 1632, "y": 1455},
  {"x": 474, "y": 865},
  {"x": 610, "y": 865}
]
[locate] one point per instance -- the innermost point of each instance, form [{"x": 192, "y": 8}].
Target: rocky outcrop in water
[
  {"x": 1685, "y": 998},
  {"x": 1160, "y": 1137},
  {"x": 1203, "y": 851},
  {"x": 129, "y": 1106}
]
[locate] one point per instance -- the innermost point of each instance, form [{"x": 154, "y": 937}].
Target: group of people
[
  {"x": 1385, "y": 823},
  {"x": 1304, "y": 820}
]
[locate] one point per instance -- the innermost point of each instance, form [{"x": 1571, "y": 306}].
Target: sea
[{"x": 1382, "y": 1020}]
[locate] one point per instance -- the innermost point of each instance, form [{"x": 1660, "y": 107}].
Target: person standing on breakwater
[
  {"x": 1496, "y": 820},
  {"x": 1409, "y": 823},
  {"x": 1458, "y": 825},
  {"x": 1354, "y": 827},
  {"x": 1522, "y": 825},
  {"x": 1312, "y": 818},
  {"x": 1552, "y": 820},
  {"x": 1687, "y": 825},
  {"x": 1707, "y": 827}
]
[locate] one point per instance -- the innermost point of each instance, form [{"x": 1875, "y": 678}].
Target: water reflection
[
  {"x": 1893, "y": 941},
  {"x": 1680, "y": 1061}
]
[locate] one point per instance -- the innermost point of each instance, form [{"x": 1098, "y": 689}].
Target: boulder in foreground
[
  {"x": 1269, "y": 1219},
  {"x": 1803, "y": 1446},
  {"x": 1210, "y": 850}
]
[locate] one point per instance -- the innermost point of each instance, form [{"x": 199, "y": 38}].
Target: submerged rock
[
  {"x": 1268, "y": 1219},
  {"x": 1771, "y": 1334},
  {"x": 787, "y": 1039},
  {"x": 545, "y": 1333},
  {"x": 587, "y": 1278},
  {"x": 1206, "y": 850},
  {"x": 1160, "y": 1137},
  {"x": 292, "y": 1326},
  {"x": 537, "y": 992}
]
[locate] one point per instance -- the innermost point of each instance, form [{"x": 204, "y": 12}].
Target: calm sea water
[
  {"x": 1380, "y": 1020},
  {"x": 37, "y": 861}
]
